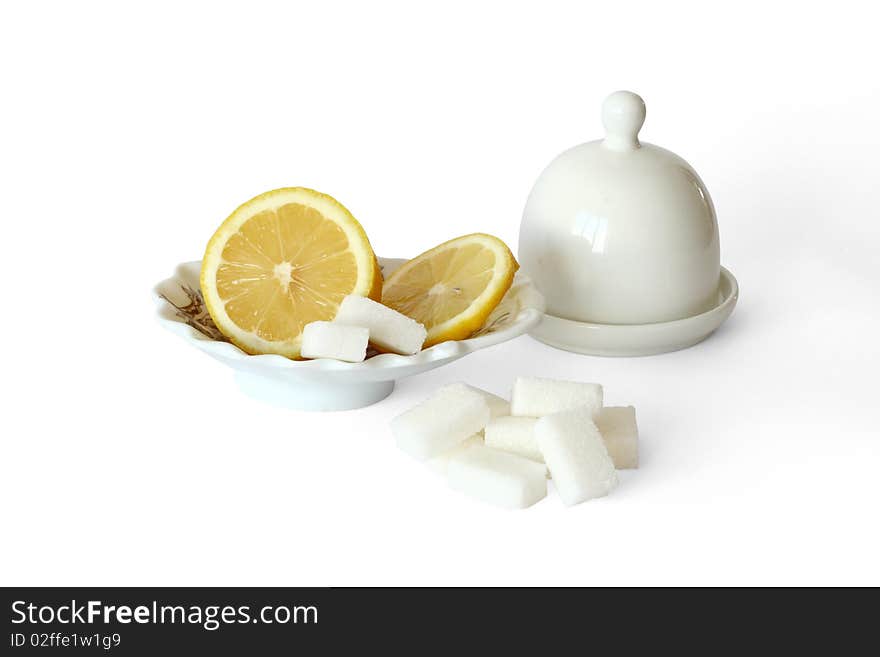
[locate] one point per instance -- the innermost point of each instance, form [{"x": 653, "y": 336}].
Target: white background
[{"x": 129, "y": 133}]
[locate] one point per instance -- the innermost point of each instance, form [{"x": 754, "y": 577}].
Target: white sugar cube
[
  {"x": 515, "y": 435},
  {"x": 534, "y": 397},
  {"x": 450, "y": 416},
  {"x": 329, "y": 340},
  {"x": 498, "y": 406},
  {"x": 389, "y": 329},
  {"x": 496, "y": 477},
  {"x": 440, "y": 463},
  {"x": 619, "y": 430},
  {"x": 576, "y": 455}
]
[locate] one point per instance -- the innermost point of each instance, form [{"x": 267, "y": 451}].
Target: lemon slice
[
  {"x": 452, "y": 288},
  {"x": 283, "y": 259}
]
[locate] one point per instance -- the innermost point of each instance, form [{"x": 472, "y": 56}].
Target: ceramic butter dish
[{"x": 622, "y": 240}]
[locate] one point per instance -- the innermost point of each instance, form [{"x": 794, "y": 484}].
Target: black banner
[{"x": 150, "y": 621}]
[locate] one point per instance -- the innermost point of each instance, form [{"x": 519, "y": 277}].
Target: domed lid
[{"x": 617, "y": 231}]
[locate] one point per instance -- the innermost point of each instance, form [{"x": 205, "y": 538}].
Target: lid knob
[{"x": 623, "y": 114}]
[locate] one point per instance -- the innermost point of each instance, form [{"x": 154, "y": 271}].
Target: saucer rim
[{"x": 638, "y": 345}]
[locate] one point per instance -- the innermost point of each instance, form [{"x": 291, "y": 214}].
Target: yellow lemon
[
  {"x": 452, "y": 288},
  {"x": 283, "y": 259}
]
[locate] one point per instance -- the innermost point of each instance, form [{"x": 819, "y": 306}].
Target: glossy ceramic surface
[
  {"x": 621, "y": 232},
  {"x": 324, "y": 384},
  {"x": 639, "y": 339}
]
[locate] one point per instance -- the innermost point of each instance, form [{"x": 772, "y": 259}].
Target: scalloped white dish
[{"x": 324, "y": 384}]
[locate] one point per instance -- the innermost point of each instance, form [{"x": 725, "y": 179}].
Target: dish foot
[{"x": 313, "y": 396}]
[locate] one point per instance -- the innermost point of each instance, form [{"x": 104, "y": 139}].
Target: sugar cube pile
[
  {"x": 447, "y": 418},
  {"x": 501, "y": 453},
  {"x": 503, "y": 479},
  {"x": 576, "y": 455},
  {"x": 389, "y": 330},
  {"x": 331, "y": 340},
  {"x": 535, "y": 397}
]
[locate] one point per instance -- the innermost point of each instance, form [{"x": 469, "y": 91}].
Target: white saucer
[
  {"x": 639, "y": 339},
  {"x": 324, "y": 384}
]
